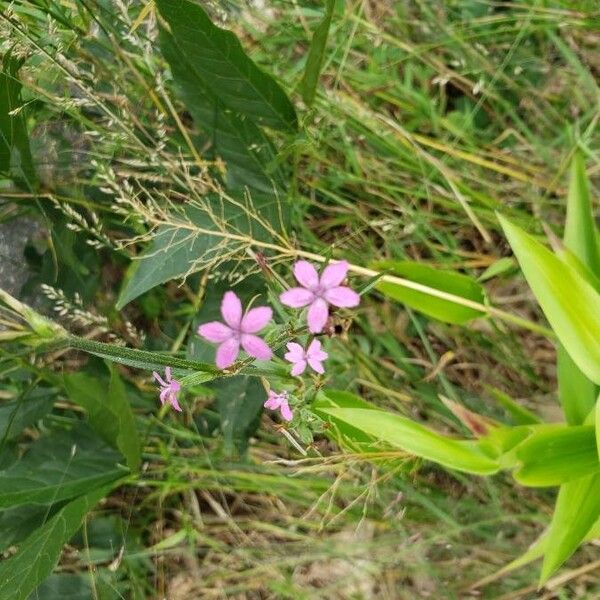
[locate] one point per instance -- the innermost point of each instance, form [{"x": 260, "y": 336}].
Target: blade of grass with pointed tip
[
  {"x": 571, "y": 304},
  {"x": 316, "y": 55}
]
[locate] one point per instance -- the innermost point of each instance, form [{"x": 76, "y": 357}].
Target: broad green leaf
[
  {"x": 60, "y": 465},
  {"x": 175, "y": 251},
  {"x": 15, "y": 154},
  {"x": 70, "y": 586},
  {"x": 577, "y": 510},
  {"x": 570, "y": 304},
  {"x": 457, "y": 284},
  {"x": 245, "y": 149},
  {"x": 553, "y": 455},
  {"x": 24, "y": 412},
  {"x": 576, "y": 392},
  {"x": 18, "y": 522},
  {"x": 316, "y": 55},
  {"x": 38, "y": 554},
  {"x": 462, "y": 455},
  {"x": 109, "y": 412},
  {"x": 219, "y": 61},
  {"x": 239, "y": 401}
]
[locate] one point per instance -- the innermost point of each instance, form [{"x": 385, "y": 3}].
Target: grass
[{"x": 430, "y": 117}]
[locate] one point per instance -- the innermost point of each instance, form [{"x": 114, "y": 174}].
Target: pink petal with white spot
[
  {"x": 317, "y": 315},
  {"x": 334, "y": 274},
  {"x": 255, "y": 319},
  {"x": 215, "y": 331},
  {"x": 256, "y": 347},
  {"x": 342, "y": 296},
  {"x": 306, "y": 275},
  {"x": 227, "y": 352},
  {"x": 297, "y": 297},
  {"x": 231, "y": 309}
]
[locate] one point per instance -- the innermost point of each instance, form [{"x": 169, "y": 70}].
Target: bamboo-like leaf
[
  {"x": 555, "y": 454},
  {"x": 571, "y": 304},
  {"x": 38, "y": 554},
  {"x": 577, "y": 393},
  {"x": 316, "y": 55},
  {"x": 451, "y": 282},
  {"x": 403, "y": 433},
  {"x": 577, "y": 510},
  {"x": 218, "y": 59}
]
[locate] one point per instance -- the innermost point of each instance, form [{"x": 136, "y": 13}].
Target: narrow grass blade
[{"x": 316, "y": 55}]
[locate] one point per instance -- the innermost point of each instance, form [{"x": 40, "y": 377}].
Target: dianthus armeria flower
[
  {"x": 299, "y": 357},
  {"x": 168, "y": 389},
  {"x": 319, "y": 292},
  {"x": 238, "y": 330},
  {"x": 279, "y": 400}
]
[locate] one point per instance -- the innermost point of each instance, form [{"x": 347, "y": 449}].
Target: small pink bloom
[
  {"x": 237, "y": 330},
  {"x": 319, "y": 292},
  {"x": 279, "y": 401},
  {"x": 168, "y": 389},
  {"x": 299, "y": 357}
]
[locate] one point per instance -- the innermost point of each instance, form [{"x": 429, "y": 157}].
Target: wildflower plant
[{"x": 210, "y": 302}]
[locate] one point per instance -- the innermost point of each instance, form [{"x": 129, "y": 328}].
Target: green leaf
[
  {"x": 580, "y": 228},
  {"x": 218, "y": 60},
  {"x": 570, "y": 303},
  {"x": 22, "y": 573},
  {"x": 576, "y": 392},
  {"x": 462, "y": 455},
  {"x": 245, "y": 149},
  {"x": 446, "y": 281},
  {"x": 61, "y": 465},
  {"x": 520, "y": 415},
  {"x": 18, "y": 522},
  {"x": 240, "y": 401},
  {"x": 24, "y": 412},
  {"x": 109, "y": 412},
  {"x": 577, "y": 510},
  {"x": 15, "y": 154},
  {"x": 316, "y": 55},
  {"x": 555, "y": 454},
  {"x": 175, "y": 251}
]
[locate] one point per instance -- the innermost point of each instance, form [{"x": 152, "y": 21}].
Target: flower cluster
[{"x": 239, "y": 329}]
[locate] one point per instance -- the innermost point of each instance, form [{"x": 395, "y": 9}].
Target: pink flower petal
[
  {"x": 296, "y": 352},
  {"x": 342, "y": 296},
  {"x": 315, "y": 352},
  {"x": 297, "y": 297},
  {"x": 333, "y": 274},
  {"x": 286, "y": 411},
  {"x": 174, "y": 403},
  {"x": 256, "y": 347},
  {"x": 298, "y": 368},
  {"x": 168, "y": 375},
  {"x": 227, "y": 352},
  {"x": 273, "y": 401},
  {"x": 215, "y": 331},
  {"x": 158, "y": 379},
  {"x": 164, "y": 393},
  {"x": 231, "y": 309},
  {"x": 256, "y": 318},
  {"x": 306, "y": 275},
  {"x": 317, "y": 315},
  {"x": 316, "y": 365}
]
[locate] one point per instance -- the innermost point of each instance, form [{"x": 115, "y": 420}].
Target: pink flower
[
  {"x": 237, "y": 330},
  {"x": 279, "y": 401},
  {"x": 319, "y": 292},
  {"x": 313, "y": 355},
  {"x": 168, "y": 389}
]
